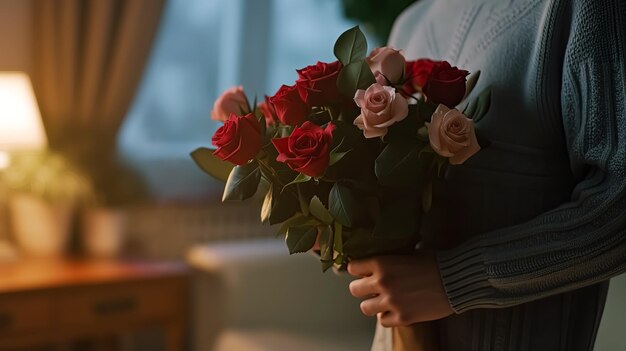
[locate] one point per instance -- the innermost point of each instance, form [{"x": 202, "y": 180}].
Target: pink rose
[
  {"x": 452, "y": 135},
  {"x": 380, "y": 108},
  {"x": 232, "y": 100},
  {"x": 387, "y": 64}
]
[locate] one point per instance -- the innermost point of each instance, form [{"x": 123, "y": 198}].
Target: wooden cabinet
[{"x": 59, "y": 302}]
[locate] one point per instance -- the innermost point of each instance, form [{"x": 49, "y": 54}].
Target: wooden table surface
[
  {"x": 37, "y": 274},
  {"x": 58, "y": 301}
]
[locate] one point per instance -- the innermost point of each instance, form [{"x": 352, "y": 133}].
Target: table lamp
[{"x": 21, "y": 129}]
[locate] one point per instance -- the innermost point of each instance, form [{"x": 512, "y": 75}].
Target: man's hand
[{"x": 401, "y": 290}]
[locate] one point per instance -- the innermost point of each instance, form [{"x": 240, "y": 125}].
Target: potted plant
[
  {"x": 117, "y": 187},
  {"x": 45, "y": 190}
]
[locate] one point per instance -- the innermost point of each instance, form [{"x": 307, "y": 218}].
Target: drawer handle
[
  {"x": 6, "y": 320},
  {"x": 115, "y": 306}
]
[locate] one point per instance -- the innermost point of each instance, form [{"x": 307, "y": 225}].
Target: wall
[{"x": 15, "y": 35}]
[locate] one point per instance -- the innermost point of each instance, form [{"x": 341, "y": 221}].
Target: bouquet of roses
[{"x": 346, "y": 156}]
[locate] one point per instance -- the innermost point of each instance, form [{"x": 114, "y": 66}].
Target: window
[{"x": 204, "y": 47}]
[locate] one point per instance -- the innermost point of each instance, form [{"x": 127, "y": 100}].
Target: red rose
[
  {"x": 289, "y": 107},
  {"x": 268, "y": 111},
  {"x": 306, "y": 150},
  {"x": 238, "y": 140},
  {"x": 417, "y": 73},
  {"x": 445, "y": 84},
  {"x": 317, "y": 84}
]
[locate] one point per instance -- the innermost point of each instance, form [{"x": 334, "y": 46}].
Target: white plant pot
[
  {"x": 103, "y": 232},
  {"x": 41, "y": 229}
]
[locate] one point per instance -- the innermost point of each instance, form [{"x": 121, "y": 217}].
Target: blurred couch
[{"x": 253, "y": 296}]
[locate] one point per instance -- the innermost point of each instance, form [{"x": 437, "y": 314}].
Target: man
[{"x": 535, "y": 223}]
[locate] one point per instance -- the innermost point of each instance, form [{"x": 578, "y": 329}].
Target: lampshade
[{"x": 20, "y": 121}]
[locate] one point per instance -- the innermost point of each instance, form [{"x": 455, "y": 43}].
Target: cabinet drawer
[
  {"x": 126, "y": 303},
  {"x": 27, "y": 312}
]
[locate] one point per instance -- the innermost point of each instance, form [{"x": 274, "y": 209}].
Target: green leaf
[
  {"x": 300, "y": 239},
  {"x": 303, "y": 200},
  {"x": 242, "y": 182},
  {"x": 422, "y": 134},
  {"x": 471, "y": 83},
  {"x": 319, "y": 211},
  {"x": 397, "y": 164},
  {"x": 338, "y": 240},
  {"x": 326, "y": 240},
  {"x": 478, "y": 108},
  {"x": 301, "y": 178},
  {"x": 266, "y": 209},
  {"x": 296, "y": 220},
  {"x": 284, "y": 205},
  {"x": 356, "y": 75},
  {"x": 484, "y": 103},
  {"x": 351, "y": 46},
  {"x": 336, "y": 157},
  {"x": 211, "y": 164},
  {"x": 342, "y": 205}
]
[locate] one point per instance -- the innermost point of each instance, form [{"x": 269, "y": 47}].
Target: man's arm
[{"x": 584, "y": 241}]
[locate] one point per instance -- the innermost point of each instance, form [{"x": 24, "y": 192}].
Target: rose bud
[
  {"x": 289, "y": 107},
  {"x": 445, "y": 84},
  {"x": 417, "y": 73},
  {"x": 380, "y": 108},
  {"x": 238, "y": 140},
  {"x": 317, "y": 85},
  {"x": 268, "y": 111},
  {"x": 452, "y": 135},
  {"x": 387, "y": 64},
  {"x": 232, "y": 100},
  {"x": 307, "y": 149}
]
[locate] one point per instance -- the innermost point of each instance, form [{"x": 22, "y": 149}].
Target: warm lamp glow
[{"x": 20, "y": 121}]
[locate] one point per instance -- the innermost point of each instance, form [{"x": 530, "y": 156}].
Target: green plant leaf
[
  {"x": 356, "y": 75},
  {"x": 471, "y": 83},
  {"x": 300, "y": 239},
  {"x": 303, "y": 199},
  {"x": 284, "y": 205},
  {"x": 336, "y": 157},
  {"x": 301, "y": 178},
  {"x": 242, "y": 182},
  {"x": 478, "y": 108},
  {"x": 343, "y": 206},
  {"x": 317, "y": 209},
  {"x": 210, "y": 164},
  {"x": 326, "y": 240},
  {"x": 266, "y": 208},
  {"x": 338, "y": 240},
  {"x": 351, "y": 46},
  {"x": 484, "y": 103},
  {"x": 296, "y": 220},
  {"x": 397, "y": 164}
]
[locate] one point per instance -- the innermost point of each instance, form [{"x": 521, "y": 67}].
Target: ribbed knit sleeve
[{"x": 584, "y": 241}]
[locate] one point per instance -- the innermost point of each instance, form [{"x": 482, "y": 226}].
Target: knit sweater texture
[{"x": 541, "y": 212}]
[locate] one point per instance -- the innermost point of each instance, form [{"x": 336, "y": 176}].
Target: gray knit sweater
[{"x": 542, "y": 211}]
